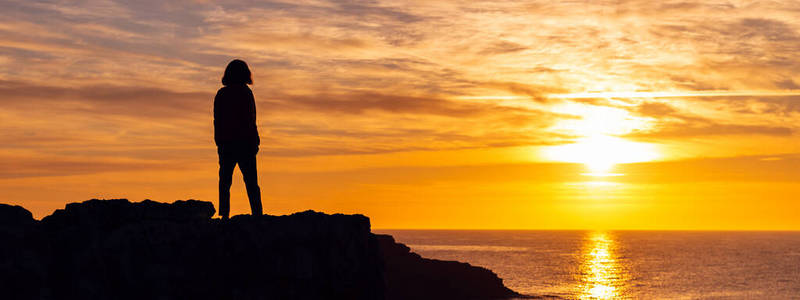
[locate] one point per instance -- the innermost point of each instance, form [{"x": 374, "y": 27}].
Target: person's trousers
[{"x": 245, "y": 157}]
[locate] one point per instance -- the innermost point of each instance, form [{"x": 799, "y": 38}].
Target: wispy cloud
[{"x": 675, "y": 94}]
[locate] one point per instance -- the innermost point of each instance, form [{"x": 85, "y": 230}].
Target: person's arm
[
  {"x": 253, "y": 115},
  {"x": 252, "y": 107},
  {"x": 216, "y": 115}
]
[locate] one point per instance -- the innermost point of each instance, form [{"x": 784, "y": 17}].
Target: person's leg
[
  {"x": 247, "y": 163},
  {"x": 226, "y": 165}
]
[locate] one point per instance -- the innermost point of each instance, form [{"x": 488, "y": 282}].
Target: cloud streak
[{"x": 676, "y": 94}]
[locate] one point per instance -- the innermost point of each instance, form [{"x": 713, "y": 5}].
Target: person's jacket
[{"x": 235, "y": 117}]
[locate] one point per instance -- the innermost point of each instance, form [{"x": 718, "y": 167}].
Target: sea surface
[{"x": 625, "y": 264}]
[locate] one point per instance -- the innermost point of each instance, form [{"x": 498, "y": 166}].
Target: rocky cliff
[{"x": 115, "y": 249}]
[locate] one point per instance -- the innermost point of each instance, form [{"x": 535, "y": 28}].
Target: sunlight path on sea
[{"x": 600, "y": 272}]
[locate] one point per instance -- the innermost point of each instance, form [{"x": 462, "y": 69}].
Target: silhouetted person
[{"x": 236, "y": 135}]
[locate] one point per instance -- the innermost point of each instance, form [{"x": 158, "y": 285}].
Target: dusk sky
[{"x": 418, "y": 114}]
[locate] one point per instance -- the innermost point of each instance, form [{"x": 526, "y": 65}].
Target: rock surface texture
[{"x": 115, "y": 249}]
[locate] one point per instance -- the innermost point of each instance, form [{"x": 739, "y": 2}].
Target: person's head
[{"x": 237, "y": 73}]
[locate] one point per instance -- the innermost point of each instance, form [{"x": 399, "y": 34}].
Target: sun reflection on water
[{"x": 601, "y": 273}]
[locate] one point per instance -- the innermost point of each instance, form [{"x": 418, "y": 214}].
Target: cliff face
[
  {"x": 115, "y": 249},
  {"x": 410, "y": 276}
]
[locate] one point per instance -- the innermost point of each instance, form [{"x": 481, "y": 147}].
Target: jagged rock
[
  {"x": 410, "y": 276},
  {"x": 15, "y": 215},
  {"x": 110, "y": 214},
  {"x": 116, "y": 249},
  {"x": 22, "y": 247}
]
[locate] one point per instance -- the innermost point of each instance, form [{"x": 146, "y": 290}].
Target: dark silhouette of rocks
[
  {"x": 22, "y": 252},
  {"x": 15, "y": 215},
  {"x": 115, "y": 249},
  {"x": 410, "y": 276}
]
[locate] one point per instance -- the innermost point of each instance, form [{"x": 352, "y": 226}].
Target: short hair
[{"x": 237, "y": 72}]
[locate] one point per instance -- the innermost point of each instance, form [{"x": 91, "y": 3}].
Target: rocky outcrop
[
  {"x": 15, "y": 215},
  {"x": 410, "y": 276},
  {"x": 115, "y": 249},
  {"x": 23, "y": 250}
]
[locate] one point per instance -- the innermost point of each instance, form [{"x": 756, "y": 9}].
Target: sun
[
  {"x": 599, "y": 146},
  {"x": 600, "y": 153}
]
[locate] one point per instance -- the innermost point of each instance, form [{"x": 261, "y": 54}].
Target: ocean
[{"x": 625, "y": 264}]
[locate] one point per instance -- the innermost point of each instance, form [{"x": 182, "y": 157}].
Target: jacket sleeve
[
  {"x": 216, "y": 110},
  {"x": 253, "y": 116}
]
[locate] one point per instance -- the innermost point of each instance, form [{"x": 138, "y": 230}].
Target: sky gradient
[{"x": 418, "y": 114}]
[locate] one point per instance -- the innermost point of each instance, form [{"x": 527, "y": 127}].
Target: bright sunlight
[
  {"x": 601, "y": 152},
  {"x": 599, "y": 148}
]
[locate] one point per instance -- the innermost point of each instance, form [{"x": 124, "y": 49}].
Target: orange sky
[{"x": 419, "y": 114}]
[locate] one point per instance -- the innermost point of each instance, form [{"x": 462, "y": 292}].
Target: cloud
[
  {"x": 655, "y": 109},
  {"x": 36, "y": 166},
  {"x": 372, "y": 11},
  {"x": 788, "y": 84},
  {"x": 673, "y": 123},
  {"x": 105, "y": 100},
  {"x": 360, "y": 103},
  {"x": 713, "y": 129},
  {"x": 300, "y": 42},
  {"x": 502, "y": 47},
  {"x": 291, "y": 140},
  {"x": 538, "y": 93}
]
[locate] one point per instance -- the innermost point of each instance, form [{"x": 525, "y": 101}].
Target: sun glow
[
  {"x": 599, "y": 147},
  {"x": 593, "y": 120},
  {"x": 601, "y": 153}
]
